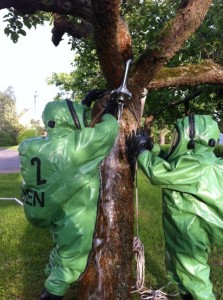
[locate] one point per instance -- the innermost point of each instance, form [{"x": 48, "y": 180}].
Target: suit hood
[
  {"x": 63, "y": 116},
  {"x": 200, "y": 131}
]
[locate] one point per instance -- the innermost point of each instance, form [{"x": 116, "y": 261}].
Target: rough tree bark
[
  {"x": 109, "y": 275},
  {"x": 207, "y": 72}
]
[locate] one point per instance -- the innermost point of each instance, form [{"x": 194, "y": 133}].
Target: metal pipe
[
  {"x": 15, "y": 199},
  {"x": 124, "y": 82}
]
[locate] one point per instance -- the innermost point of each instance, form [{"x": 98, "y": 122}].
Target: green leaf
[
  {"x": 27, "y": 23},
  {"x": 14, "y": 37},
  {"x": 22, "y": 32}
]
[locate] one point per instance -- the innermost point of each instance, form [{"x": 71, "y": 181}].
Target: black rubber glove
[
  {"x": 92, "y": 96},
  {"x": 112, "y": 108},
  {"x": 48, "y": 296},
  {"x": 139, "y": 141}
]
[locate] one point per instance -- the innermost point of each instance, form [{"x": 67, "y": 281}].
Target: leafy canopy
[{"x": 145, "y": 19}]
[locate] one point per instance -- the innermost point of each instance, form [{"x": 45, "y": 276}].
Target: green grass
[
  {"x": 24, "y": 250},
  {"x": 9, "y": 148},
  {"x": 150, "y": 217}
]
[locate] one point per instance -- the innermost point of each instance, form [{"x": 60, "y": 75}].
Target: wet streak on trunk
[{"x": 109, "y": 272}]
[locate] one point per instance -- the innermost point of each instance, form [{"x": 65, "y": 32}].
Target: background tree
[
  {"x": 9, "y": 126},
  {"x": 107, "y": 30}
]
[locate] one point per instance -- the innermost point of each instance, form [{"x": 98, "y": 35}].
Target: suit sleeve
[
  {"x": 182, "y": 175},
  {"x": 95, "y": 143}
]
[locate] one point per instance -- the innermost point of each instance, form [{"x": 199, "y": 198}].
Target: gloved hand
[
  {"x": 92, "y": 96},
  {"x": 139, "y": 141},
  {"x": 48, "y": 296},
  {"x": 112, "y": 108}
]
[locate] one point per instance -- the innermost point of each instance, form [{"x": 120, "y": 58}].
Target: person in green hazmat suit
[
  {"x": 191, "y": 177},
  {"x": 62, "y": 183}
]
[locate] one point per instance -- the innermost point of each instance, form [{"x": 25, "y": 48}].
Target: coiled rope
[
  {"x": 138, "y": 249},
  {"x": 154, "y": 294}
]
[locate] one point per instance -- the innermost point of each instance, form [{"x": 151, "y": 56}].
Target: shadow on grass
[
  {"x": 34, "y": 247},
  {"x": 24, "y": 252}
]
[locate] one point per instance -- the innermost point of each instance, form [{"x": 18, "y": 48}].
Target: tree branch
[
  {"x": 112, "y": 38},
  {"x": 63, "y": 24},
  {"x": 207, "y": 72},
  {"x": 186, "y": 101},
  {"x": 78, "y": 8},
  {"x": 174, "y": 34}
]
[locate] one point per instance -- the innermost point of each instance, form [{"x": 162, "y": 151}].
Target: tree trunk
[{"x": 109, "y": 273}]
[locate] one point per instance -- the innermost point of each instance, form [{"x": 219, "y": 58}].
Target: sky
[{"x": 26, "y": 65}]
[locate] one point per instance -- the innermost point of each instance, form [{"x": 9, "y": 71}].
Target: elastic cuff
[
  {"x": 48, "y": 296},
  {"x": 140, "y": 151}
]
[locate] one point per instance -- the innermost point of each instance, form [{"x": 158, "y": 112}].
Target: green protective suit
[
  {"x": 62, "y": 184},
  {"x": 192, "y": 182}
]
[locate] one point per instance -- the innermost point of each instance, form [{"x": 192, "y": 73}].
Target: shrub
[
  {"x": 6, "y": 139},
  {"x": 219, "y": 150},
  {"x": 25, "y": 135},
  {"x": 165, "y": 147}
]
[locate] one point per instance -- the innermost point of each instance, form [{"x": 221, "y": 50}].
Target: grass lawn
[
  {"x": 9, "y": 148},
  {"x": 24, "y": 250}
]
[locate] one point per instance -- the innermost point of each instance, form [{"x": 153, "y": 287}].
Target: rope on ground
[
  {"x": 154, "y": 294},
  {"x": 145, "y": 293}
]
